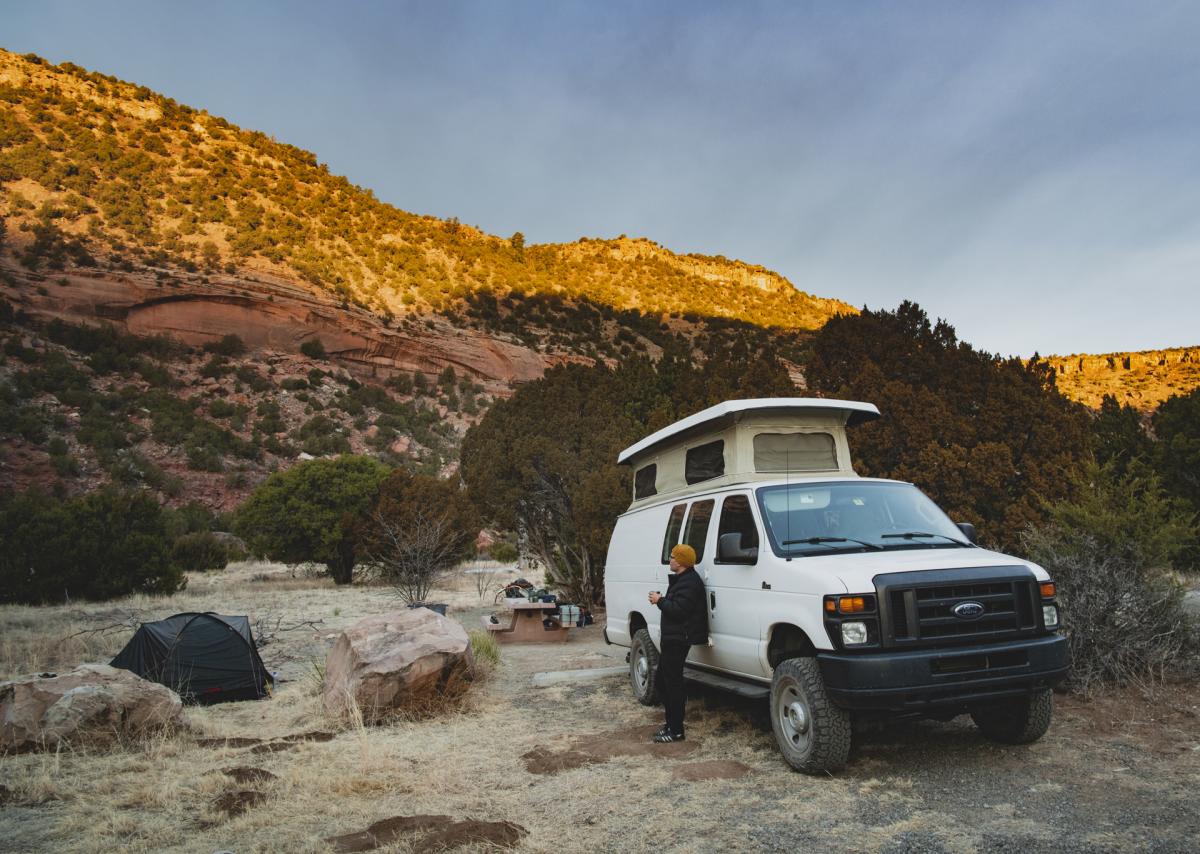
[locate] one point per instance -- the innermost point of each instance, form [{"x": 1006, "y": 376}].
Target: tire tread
[
  {"x": 832, "y": 732},
  {"x": 650, "y": 698}
]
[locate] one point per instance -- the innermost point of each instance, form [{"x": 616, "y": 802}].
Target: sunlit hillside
[
  {"x": 93, "y": 167},
  {"x": 1143, "y": 380}
]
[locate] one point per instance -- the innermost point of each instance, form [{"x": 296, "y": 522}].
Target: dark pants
[{"x": 670, "y": 682}]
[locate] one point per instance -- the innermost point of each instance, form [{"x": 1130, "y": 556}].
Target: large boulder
[
  {"x": 92, "y": 703},
  {"x": 402, "y": 661}
]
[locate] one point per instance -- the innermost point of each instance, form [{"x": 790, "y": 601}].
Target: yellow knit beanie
[{"x": 685, "y": 554}]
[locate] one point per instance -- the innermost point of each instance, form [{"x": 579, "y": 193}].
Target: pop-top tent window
[
  {"x": 205, "y": 658},
  {"x": 644, "y": 481},
  {"x": 794, "y": 452},
  {"x": 704, "y": 462}
]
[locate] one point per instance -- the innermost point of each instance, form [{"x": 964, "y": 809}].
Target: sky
[{"x": 1029, "y": 171}]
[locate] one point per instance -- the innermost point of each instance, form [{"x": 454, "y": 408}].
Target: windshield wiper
[
  {"x": 820, "y": 541},
  {"x": 909, "y": 535}
]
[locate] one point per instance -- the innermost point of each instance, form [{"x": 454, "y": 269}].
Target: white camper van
[{"x": 832, "y": 595}]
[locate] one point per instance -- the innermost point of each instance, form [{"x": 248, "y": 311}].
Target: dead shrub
[
  {"x": 1110, "y": 551},
  {"x": 1124, "y": 624}
]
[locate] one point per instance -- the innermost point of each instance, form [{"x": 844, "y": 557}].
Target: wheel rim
[
  {"x": 795, "y": 719},
  {"x": 641, "y": 671}
]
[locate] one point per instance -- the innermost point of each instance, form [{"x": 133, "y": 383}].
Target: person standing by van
[{"x": 684, "y": 623}]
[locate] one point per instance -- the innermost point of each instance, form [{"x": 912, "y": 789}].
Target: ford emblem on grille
[{"x": 968, "y": 610}]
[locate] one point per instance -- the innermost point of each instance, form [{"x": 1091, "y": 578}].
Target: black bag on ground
[{"x": 205, "y": 658}]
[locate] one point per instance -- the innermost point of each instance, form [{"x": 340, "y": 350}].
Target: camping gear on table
[
  {"x": 570, "y": 615},
  {"x": 529, "y": 622},
  {"x": 205, "y": 658}
]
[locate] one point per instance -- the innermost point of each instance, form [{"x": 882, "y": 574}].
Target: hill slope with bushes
[{"x": 98, "y": 169}]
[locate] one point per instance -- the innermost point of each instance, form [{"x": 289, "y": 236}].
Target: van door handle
[{"x": 712, "y": 601}]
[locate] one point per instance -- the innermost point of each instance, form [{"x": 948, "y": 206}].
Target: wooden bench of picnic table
[{"x": 525, "y": 625}]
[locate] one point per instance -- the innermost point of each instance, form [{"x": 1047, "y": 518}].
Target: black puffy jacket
[{"x": 684, "y": 611}]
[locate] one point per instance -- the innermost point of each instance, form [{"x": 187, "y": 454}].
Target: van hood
[{"x": 857, "y": 571}]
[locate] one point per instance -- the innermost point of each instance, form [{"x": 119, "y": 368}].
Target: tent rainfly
[{"x": 205, "y": 658}]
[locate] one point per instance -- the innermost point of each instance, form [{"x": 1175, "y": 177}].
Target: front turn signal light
[
  {"x": 1049, "y": 588},
  {"x": 852, "y": 605}
]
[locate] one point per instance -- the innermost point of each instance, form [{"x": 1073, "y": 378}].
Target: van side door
[{"x": 734, "y": 579}]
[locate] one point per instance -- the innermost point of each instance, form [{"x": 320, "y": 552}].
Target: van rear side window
[
  {"x": 644, "y": 482},
  {"x": 674, "y": 524},
  {"x": 697, "y": 526},
  {"x": 704, "y": 462}
]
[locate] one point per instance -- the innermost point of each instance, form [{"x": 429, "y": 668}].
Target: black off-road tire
[
  {"x": 643, "y": 652},
  {"x": 811, "y": 732},
  {"x": 1020, "y": 721}
]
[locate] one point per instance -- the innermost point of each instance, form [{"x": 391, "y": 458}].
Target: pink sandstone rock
[
  {"x": 396, "y": 661},
  {"x": 92, "y": 703}
]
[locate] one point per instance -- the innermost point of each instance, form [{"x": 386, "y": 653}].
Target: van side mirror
[
  {"x": 968, "y": 529},
  {"x": 729, "y": 549}
]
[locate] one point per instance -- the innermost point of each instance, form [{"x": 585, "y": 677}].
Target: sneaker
[{"x": 668, "y": 737}]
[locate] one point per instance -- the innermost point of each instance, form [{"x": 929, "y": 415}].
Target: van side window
[
  {"x": 672, "y": 536},
  {"x": 704, "y": 462},
  {"x": 696, "y": 531},
  {"x": 736, "y": 518},
  {"x": 644, "y": 481}
]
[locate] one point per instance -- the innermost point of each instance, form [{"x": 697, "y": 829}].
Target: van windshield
[{"x": 805, "y": 519}]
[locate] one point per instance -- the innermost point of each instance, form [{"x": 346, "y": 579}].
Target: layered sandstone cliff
[
  {"x": 1143, "y": 379},
  {"x": 271, "y": 313}
]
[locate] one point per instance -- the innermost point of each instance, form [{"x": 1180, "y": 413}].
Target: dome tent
[{"x": 205, "y": 658}]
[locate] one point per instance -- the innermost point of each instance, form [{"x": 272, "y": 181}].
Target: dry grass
[
  {"x": 34, "y": 639},
  {"x": 917, "y": 785}
]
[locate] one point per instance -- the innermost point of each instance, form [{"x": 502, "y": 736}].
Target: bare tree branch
[{"x": 414, "y": 553}]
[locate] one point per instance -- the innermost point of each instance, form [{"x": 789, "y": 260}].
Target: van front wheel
[
  {"x": 643, "y": 668},
  {"x": 812, "y": 733}
]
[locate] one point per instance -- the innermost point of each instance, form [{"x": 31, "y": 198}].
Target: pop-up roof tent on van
[{"x": 745, "y": 440}]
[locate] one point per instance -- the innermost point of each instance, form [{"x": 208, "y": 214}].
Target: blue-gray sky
[{"x": 1028, "y": 170}]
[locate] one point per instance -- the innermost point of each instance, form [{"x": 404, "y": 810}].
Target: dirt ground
[{"x": 568, "y": 767}]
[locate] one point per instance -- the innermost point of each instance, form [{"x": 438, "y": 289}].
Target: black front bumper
[{"x": 925, "y": 679}]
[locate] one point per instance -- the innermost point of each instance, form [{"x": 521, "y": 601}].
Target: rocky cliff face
[
  {"x": 1143, "y": 379},
  {"x": 271, "y": 313},
  {"x": 208, "y": 421}
]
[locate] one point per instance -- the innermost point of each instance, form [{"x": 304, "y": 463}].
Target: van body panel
[
  {"x": 749, "y": 599},
  {"x": 855, "y": 571}
]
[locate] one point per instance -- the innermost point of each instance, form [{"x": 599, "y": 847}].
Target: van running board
[{"x": 725, "y": 683}]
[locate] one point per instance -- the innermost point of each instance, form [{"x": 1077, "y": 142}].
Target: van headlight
[
  {"x": 1050, "y": 616},
  {"x": 854, "y": 633}
]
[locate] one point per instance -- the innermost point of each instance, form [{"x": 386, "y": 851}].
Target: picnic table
[{"x": 525, "y": 623}]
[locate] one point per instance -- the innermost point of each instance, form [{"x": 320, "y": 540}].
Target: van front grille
[{"x": 919, "y": 608}]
